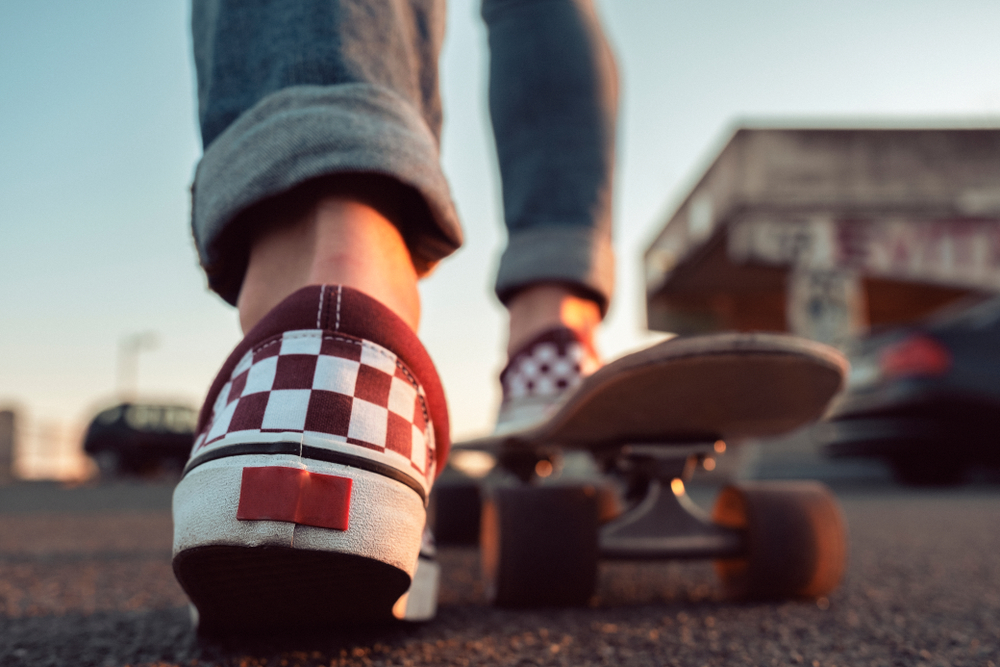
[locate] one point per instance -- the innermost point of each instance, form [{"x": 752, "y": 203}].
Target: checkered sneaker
[
  {"x": 325, "y": 390},
  {"x": 540, "y": 374}
]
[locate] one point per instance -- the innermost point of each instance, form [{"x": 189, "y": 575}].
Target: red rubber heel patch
[{"x": 296, "y": 496}]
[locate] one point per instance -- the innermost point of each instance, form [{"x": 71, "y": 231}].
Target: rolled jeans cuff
[
  {"x": 579, "y": 257},
  {"x": 306, "y": 132}
]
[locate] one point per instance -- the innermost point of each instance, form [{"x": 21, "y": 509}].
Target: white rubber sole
[{"x": 261, "y": 574}]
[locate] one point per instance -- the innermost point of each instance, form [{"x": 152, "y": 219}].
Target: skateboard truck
[
  {"x": 541, "y": 542},
  {"x": 665, "y": 523}
]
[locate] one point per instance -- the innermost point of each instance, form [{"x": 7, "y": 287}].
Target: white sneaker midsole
[{"x": 385, "y": 522}]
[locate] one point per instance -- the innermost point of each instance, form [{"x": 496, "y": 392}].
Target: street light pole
[{"x": 128, "y": 361}]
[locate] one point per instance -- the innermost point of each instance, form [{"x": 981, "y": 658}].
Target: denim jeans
[{"x": 291, "y": 91}]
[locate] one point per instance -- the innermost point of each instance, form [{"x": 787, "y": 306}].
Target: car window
[
  {"x": 143, "y": 417},
  {"x": 180, "y": 419},
  {"x": 109, "y": 416}
]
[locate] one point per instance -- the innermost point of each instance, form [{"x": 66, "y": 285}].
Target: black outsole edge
[
  {"x": 276, "y": 590},
  {"x": 307, "y": 452}
]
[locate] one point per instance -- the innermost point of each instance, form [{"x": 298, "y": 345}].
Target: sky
[{"x": 99, "y": 143}]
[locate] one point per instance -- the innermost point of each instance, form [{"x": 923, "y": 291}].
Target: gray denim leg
[
  {"x": 293, "y": 90},
  {"x": 553, "y": 103}
]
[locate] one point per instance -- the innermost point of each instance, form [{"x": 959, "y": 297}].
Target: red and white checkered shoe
[
  {"x": 539, "y": 376},
  {"x": 303, "y": 502}
]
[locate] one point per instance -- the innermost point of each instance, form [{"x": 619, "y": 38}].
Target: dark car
[
  {"x": 138, "y": 438},
  {"x": 925, "y": 398}
]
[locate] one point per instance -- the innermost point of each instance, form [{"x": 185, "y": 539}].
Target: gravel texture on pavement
[{"x": 85, "y": 579}]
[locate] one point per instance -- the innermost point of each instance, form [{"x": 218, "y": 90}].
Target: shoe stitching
[
  {"x": 336, "y": 326},
  {"x": 319, "y": 311}
]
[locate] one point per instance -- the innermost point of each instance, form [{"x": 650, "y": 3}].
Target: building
[{"x": 823, "y": 232}]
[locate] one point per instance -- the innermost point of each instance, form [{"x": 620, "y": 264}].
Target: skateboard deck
[{"x": 684, "y": 390}]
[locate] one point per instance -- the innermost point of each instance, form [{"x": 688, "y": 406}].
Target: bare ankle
[
  {"x": 546, "y": 306},
  {"x": 338, "y": 241}
]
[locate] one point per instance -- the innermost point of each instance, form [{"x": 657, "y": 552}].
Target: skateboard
[{"x": 646, "y": 421}]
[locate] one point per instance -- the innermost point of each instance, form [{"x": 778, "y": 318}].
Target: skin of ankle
[
  {"x": 547, "y": 305},
  {"x": 338, "y": 241}
]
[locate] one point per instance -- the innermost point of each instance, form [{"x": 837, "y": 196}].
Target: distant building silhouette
[{"x": 823, "y": 232}]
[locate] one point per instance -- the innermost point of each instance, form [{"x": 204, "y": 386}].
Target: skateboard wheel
[
  {"x": 455, "y": 507},
  {"x": 795, "y": 543},
  {"x": 539, "y": 545}
]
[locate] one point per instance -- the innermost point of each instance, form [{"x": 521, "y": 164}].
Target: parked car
[
  {"x": 925, "y": 398},
  {"x": 138, "y": 438}
]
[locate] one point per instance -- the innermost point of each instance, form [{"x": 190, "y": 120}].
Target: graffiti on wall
[{"x": 953, "y": 252}]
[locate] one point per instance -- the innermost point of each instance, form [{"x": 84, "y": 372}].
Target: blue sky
[{"x": 100, "y": 141}]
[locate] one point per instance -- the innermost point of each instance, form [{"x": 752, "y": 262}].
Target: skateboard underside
[{"x": 647, "y": 419}]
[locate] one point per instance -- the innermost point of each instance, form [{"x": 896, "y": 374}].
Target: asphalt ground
[{"x": 85, "y": 579}]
